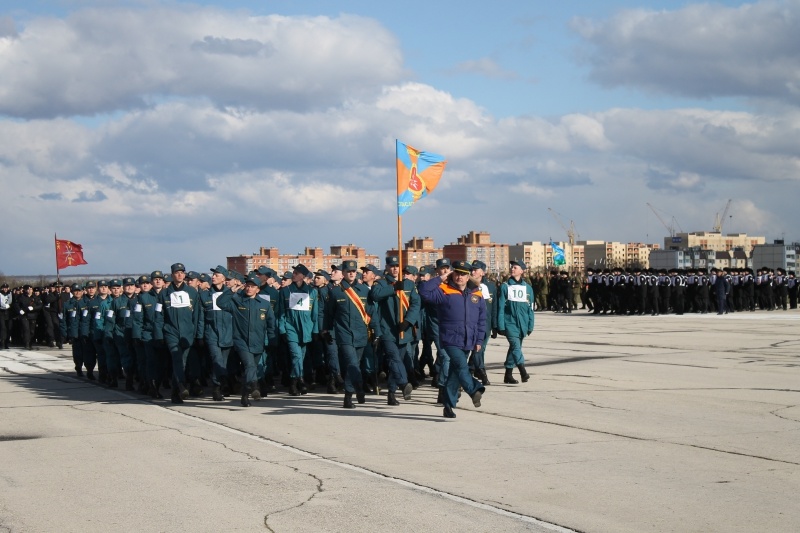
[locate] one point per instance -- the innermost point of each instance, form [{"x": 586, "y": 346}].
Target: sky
[{"x": 161, "y": 132}]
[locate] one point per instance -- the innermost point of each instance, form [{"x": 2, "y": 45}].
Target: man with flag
[
  {"x": 348, "y": 321},
  {"x": 389, "y": 294}
]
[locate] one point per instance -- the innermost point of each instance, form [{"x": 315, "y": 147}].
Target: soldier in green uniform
[
  {"x": 70, "y": 326},
  {"x": 98, "y": 308},
  {"x": 253, "y": 327},
  {"x": 348, "y": 319},
  {"x": 390, "y": 293},
  {"x": 178, "y": 325},
  {"x": 298, "y": 323},
  {"x": 515, "y": 301}
]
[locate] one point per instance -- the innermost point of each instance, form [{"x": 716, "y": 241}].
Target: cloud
[
  {"x": 131, "y": 59},
  {"x": 701, "y": 50}
]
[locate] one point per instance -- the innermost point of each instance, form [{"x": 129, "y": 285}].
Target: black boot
[
  {"x": 129, "y": 382},
  {"x": 245, "y": 401},
  {"x": 90, "y": 375},
  {"x": 79, "y": 372},
  {"x": 183, "y": 391},
  {"x": 152, "y": 390},
  {"x": 253, "y": 388},
  {"x": 407, "y": 391},
  {"x": 176, "y": 396},
  {"x": 331, "y": 385},
  {"x": 523, "y": 374},
  {"x": 348, "y": 401},
  {"x": 391, "y": 400},
  {"x": 448, "y": 412},
  {"x": 301, "y": 386},
  {"x": 480, "y": 373},
  {"x": 360, "y": 397},
  {"x": 293, "y": 388},
  {"x": 440, "y": 396},
  {"x": 216, "y": 394},
  {"x": 476, "y": 398},
  {"x": 509, "y": 378},
  {"x": 262, "y": 387}
]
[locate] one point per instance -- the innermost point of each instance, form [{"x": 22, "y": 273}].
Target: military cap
[
  {"x": 410, "y": 269},
  {"x": 478, "y": 264},
  {"x": 301, "y": 268},
  {"x": 349, "y": 265},
  {"x": 219, "y": 269},
  {"x": 322, "y": 273},
  {"x": 26, "y": 287},
  {"x": 518, "y": 263},
  {"x": 4, "y": 286},
  {"x": 192, "y": 275},
  {"x": 443, "y": 262},
  {"x": 266, "y": 271},
  {"x": 115, "y": 283},
  {"x": 177, "y": 267},
  {"x": 205, "y": 278},
  {"x": 287, "y": 275},
  {"x": 253, "y": 280},
  {"x": 76, "y": 287},
  {"x": 102, "y": 283},
  {"x": 425, "y": 269},
  {"x": 144, "y": 278},
  {"x": 336, "y": 267},
  {"x": 372, "y": 268},
  {"x": 128, "y": 281},
  {"x": 90, "y": 284},
  {"x": 167, "y": 278},
  {"x": 157, "y": 274},
  {"x": 241, "y": 278},
  {"x": 392, "y": 260},
  {"x": 462, "y": 266}
]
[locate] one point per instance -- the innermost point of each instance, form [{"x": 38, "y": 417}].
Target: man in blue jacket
[{"x": 462, "y": 328}]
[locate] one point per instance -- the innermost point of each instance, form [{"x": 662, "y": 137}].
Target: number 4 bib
[{"x": 299, "y": 301}]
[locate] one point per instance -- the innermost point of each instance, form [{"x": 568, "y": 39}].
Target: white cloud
[{"x": 102, "y": 60}]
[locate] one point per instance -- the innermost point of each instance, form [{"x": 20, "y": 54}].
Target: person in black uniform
[
  {"x": 6, "y": 302},
  {"x": 28, "y": 306}
]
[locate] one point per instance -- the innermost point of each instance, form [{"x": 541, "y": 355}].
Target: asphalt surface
[{"x": 670, "y": 423}]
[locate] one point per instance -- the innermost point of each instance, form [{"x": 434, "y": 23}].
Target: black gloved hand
[
  {"x": 494, "y": 333},
  {"x": 399, "y": 285},
  {"x": 404, "y": 325}
]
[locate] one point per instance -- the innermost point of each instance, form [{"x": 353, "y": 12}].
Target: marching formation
[
  {"x": 654, "y": 292},
  {"x": 347, "y": 330}
]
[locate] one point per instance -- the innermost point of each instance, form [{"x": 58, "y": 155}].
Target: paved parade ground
[{"x": 670, "y": 423}]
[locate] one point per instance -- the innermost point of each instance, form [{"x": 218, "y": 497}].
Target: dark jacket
[{"x": 462, "y": 314}]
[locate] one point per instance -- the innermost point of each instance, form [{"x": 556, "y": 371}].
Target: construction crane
[
  {"x": 673, "y": 222},
  {"x": 720, "y": 220},
  {"x": 570, "y": 230}
]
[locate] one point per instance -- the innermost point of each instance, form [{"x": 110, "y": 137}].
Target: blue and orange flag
[{"x": 418, "y": 173}]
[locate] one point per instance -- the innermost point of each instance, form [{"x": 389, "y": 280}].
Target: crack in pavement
[
  {"x": 775, "y": 412},
  {"x": 589, "y": 402},
  {"x": 319, "y": 482}
]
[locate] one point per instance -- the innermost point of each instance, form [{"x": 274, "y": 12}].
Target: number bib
[
  {"x": 179, "y": 299},
  {"x": 264, "y": 297},
  {"x": 485, "y": 291},
  {"x": 299, "y": 301},
  {"x": 214, "y": 305},
  {"x": 518, "y": 293}
]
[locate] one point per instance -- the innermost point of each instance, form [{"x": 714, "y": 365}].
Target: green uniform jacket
[
  {"x": 344, "y": 320},
  {"x": 515, "y": 308},
  {"x": 118, "y": 317},
  {"x": 297, "y": 312},
  {"x": 253, "y": 321},
  {"x": 144, "y": 316},
  {"x": 70, "y": 325},
  {"x": 98, "y": 307},
  {"x": 383, "y": 294},
  {"x": 218, "y": 323},
  {"x": 178, "y": 316}
]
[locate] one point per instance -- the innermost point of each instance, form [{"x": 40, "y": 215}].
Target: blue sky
[{"x": 155, "y": 132}]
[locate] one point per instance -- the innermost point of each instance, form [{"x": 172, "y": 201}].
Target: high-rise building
[
  {"x": 418, "y": 252},
  {"x": 710, "y": 240}
]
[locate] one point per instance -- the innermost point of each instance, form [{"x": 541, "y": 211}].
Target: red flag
[{"x": 68, "y": 254}]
